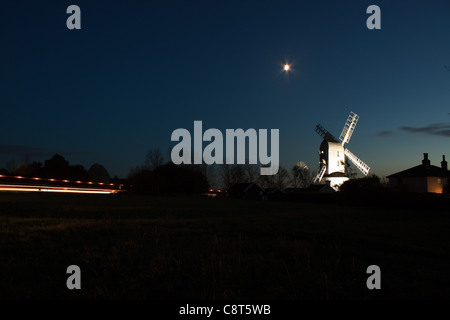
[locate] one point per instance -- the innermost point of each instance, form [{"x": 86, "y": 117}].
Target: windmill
[{"x": 332, "y": 154}]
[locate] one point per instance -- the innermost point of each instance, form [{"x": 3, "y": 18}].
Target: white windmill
[{"x": 332, "y": 154}]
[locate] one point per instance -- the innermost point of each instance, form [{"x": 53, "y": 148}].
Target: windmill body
[{"x": 332, "y": 154}]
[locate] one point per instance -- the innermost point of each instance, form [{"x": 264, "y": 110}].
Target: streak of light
[{"x": 32, "y": 188}]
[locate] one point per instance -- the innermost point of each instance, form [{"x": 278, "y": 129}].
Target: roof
[
  {"x": 320, "y": 188},
  {"x": 292, "y": 190},
  {"x": 273, "y": 190},
  {"x": 239, "y": 188},
  {"x": 421, "y": 171}
]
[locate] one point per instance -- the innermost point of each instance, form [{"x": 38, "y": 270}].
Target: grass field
[{"x": 142, "y": 247}]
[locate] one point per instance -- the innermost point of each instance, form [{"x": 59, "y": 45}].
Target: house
[
  {"x": 247, "y": 190},
  {"x": 422, "y": 178},
  {"x": 320, "y": 188},
  {"x": 274, "y": 193},
  {"x": 294, "y": 190}
]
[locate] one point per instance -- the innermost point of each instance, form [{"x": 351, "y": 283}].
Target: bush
[
  {"x": 364, "y": 185},
  {"x": 169, "y": 179}
]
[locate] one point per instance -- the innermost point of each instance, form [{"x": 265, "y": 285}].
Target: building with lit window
[{"x": 422, "y": 178}]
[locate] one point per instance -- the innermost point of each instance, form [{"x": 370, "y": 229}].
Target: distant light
[{"x": 287, "y": 67}]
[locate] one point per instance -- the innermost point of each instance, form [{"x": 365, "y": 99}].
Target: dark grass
[{"x": 140, "y": 247}]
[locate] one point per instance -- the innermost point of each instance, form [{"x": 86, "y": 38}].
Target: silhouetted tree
[
  {"x": 266, "y": 181},
  {"x": 57, "y": 167},
  {"x": 300, "y": 176},
  {"x": 237, "y": 173},
  {"x": 11, "y": 166},
  {"x": 33, "y": 169},
  {"x": 76, "y": 172},
  {"x": 98, "y": 173},
  {"x": 225, "y": 174},
  {"x": 141, "y": 180},
  {"x": 210, "y": 172},
  {"x": 154, "y": 159},
  {"x": 367, "y": 184},
  {"x": 281, "y": 178},
  {"x": 252, "y": 172},
  {"x": 169, "y": 178}
]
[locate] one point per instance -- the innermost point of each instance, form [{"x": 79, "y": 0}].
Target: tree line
[
  {"x": 57, "y": 167},
  {"x": 156, "y": 175}
]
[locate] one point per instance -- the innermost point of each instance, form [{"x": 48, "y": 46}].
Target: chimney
[
  {"x": 444, "y": 164},
  {"x": 425, "y": 160}
]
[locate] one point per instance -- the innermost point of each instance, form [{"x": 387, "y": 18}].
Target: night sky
[{"x": 138, "y": 70}]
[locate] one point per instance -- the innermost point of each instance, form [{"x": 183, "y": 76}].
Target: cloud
[
  {"x": 437, "y": 129},
  {"x": 29, "y": 151},
  {"x": 384, "y": 133}
]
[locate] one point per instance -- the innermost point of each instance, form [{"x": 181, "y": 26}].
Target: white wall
[{"x": 336, "y": 158}]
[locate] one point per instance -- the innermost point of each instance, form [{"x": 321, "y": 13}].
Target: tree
[
  {"x": 369, "y": 184},
  {"x": 251, "y": 172},
  {"x": 32, "y": 169},
  {"x": 225, "y": 174},
  {"x": 76, "y": 172},
  {"x": 231, "y": 174},
  {"x": 237, "y": 174},
  {"x": 56, "y": 167},
  {"x": 210, "y": 172},
  {"x": 154, "y": 159},
  {"x": 281, "y": 178},
  {"x": 266, "y": 181},
  {"x": 169, "y": 178},
  {"x": 294, "y": 177},
  {"x": 98, "y": 173},
  {"x": 11, "y": 166},
  {"x": 300, "y": 176},
  {"x": 56, "y": 162}
]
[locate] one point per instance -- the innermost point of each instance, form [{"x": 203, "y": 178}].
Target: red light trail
[{"x": 26, "y": 184}]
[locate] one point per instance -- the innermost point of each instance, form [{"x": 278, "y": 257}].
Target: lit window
[{"x": 439, "y": 181}]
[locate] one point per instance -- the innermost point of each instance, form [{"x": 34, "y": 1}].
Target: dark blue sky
[{"x": 137, "y": 70}]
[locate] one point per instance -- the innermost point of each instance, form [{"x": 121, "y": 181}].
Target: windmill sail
[
  {"x": 349, "y": 127},
  {"x": 320, "y": 174},
  {"x": 325, "y": 134},
  {"x": 357, "y": 162}
]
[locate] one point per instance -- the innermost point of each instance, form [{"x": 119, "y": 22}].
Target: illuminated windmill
[{"x": 332, "y": 154}]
